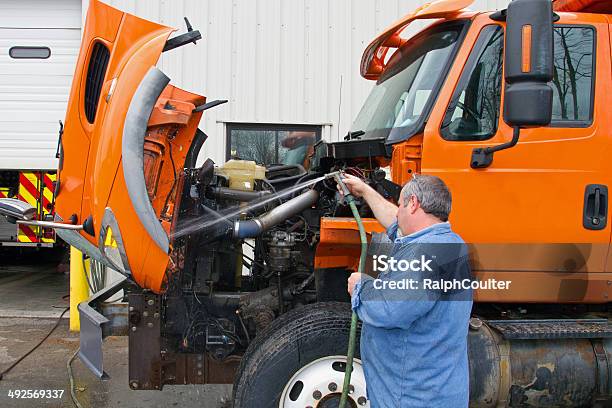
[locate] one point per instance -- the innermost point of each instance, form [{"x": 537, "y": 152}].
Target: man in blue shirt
[{"x": 414, "y": 336}]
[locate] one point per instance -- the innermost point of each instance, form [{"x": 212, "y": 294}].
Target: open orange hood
[{"x": 126, "y": 138}]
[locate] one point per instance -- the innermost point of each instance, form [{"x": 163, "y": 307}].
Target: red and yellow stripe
[
  {"x": 36, "y": 189},
  {"x": 48, "y": 180},
  {"x": 5, "y": 192},
  {"x": 29, "y": 191}
]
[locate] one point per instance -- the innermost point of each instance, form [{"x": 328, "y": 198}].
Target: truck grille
[{"x": 95, "y": 78}]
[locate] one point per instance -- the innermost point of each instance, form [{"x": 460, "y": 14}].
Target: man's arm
[{"x": 384, "y": 211}]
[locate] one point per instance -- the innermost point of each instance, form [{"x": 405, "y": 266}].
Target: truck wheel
[{"x": 299, "y": 361}]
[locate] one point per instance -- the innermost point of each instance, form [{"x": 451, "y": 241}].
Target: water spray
[{"x": 230, "y": 214}]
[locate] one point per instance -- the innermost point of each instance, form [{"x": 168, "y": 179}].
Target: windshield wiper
[{"x": 354, "y": 135}]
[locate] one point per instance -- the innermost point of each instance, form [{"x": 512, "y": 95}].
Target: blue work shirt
[{"x": 414, "y": 347}]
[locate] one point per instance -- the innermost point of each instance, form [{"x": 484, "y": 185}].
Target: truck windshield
[{"x": 399, "y": 102}]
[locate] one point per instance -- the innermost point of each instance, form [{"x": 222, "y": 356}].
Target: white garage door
[{"x": 39, "y": 45}]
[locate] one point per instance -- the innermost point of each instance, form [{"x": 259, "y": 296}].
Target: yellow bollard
[{"x": 78, "y": 287}]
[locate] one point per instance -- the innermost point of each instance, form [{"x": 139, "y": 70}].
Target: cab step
[{"x": 553, "y": 328}]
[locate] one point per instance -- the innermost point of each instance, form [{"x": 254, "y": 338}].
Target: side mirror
[
  {"x": 15, "y": 210},
  {"x": 528, "y": 63},
  {"x": 19, "y": 212},
  {"x": 528, "y": 67}
]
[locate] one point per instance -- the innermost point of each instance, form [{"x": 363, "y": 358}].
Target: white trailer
[{"x": 39, "y": 45}]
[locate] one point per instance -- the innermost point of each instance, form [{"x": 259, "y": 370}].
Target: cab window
[
  {"x": 399, "y": 103},
  {"x": 473, "y": 113},
  {"x": 572, "y": 82}
]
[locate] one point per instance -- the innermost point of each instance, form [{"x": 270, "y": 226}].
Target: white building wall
[
  {"x": 276, "y": 61},
  {"x": 34, "y": 91}
]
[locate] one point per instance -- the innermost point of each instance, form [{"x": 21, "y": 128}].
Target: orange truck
[{"x": 510, "y": 108}]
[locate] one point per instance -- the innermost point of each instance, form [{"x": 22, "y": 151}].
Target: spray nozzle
[
  {"x": 333, "y": 174},
  {"x": 338, "y": 176}
]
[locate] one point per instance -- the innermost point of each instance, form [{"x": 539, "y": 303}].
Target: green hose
[{"x": 353, "y": 332}]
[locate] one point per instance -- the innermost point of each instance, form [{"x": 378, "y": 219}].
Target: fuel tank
[{"x": 537, "y": 372}]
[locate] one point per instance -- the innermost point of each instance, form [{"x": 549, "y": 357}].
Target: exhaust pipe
[{"x": 256, "y": 226}]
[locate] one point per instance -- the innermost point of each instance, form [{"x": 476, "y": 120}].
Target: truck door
[{"x": 529, "y": 215}]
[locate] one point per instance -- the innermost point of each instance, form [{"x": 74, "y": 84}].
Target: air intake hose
[
  {"x": 256, "y": 226},
  {"x": 236, "y": 195}
]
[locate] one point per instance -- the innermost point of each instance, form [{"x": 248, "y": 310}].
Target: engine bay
[{"x": 243, "y": 244}]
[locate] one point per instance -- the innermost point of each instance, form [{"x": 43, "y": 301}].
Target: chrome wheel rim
[{"x": 319, "y": 385}]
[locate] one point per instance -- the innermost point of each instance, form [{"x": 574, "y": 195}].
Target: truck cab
[{"x": 441, "y": 95}]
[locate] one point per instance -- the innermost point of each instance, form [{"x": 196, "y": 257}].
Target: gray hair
[{"x": 431, "y": 193}]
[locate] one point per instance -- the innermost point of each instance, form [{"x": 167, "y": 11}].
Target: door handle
[{"x": 595, "y": 214}]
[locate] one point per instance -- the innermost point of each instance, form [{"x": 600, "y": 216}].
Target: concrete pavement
[{"x": 31, "y": 297}]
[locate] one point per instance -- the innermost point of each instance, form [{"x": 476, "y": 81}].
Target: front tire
[{"x": 299, "y": 361}]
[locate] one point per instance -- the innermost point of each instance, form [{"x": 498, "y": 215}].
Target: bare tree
[
  {"x": 256, "y": 145},
  {"x": 572, "y": 63}
]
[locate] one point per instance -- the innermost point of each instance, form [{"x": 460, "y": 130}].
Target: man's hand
[
  {"x": 352, "y": 281},
  {"x": 356, "y": 186},
  {"x": 384, "y": 211}
]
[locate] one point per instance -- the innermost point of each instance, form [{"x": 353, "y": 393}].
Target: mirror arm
[
  {"x": 51, "y": 224},
  {"x": 483, "y": 156}
]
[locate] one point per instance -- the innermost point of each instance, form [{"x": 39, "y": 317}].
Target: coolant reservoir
[{"x": 241, "y": 173}]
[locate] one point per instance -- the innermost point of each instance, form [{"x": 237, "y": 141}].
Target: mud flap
[{"x": 95, "y": 327}]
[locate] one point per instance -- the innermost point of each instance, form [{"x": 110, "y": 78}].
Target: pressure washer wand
[{"x": 362, "y": 260}]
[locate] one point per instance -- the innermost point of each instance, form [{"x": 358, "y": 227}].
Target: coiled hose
[{"x": 350, "y": 354}]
